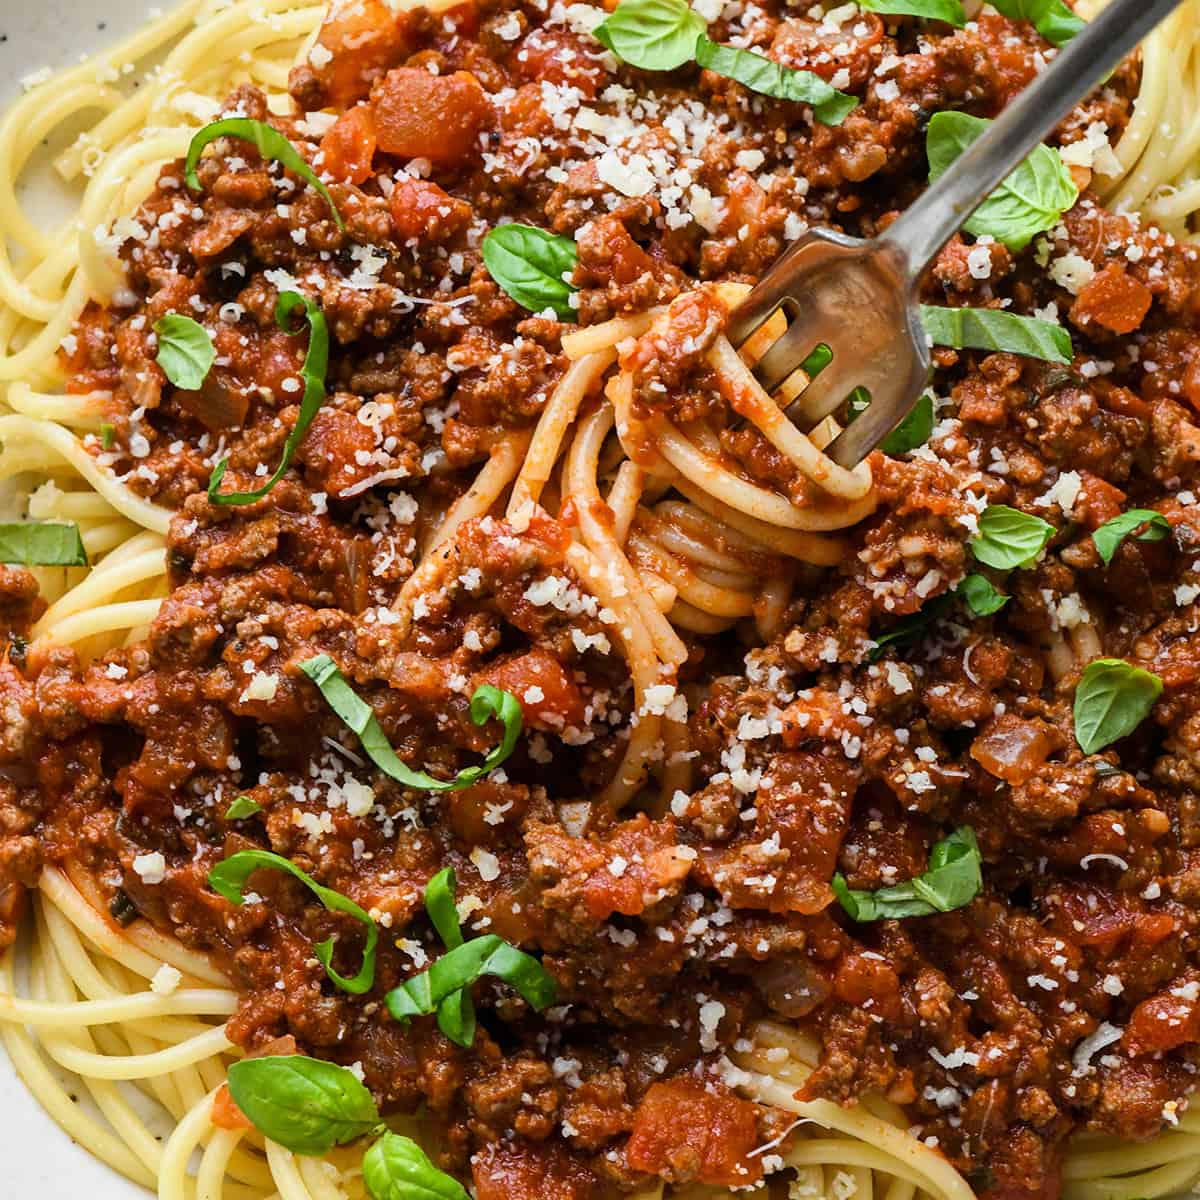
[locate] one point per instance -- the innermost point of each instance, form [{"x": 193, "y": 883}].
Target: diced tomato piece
[
  {"x": 349, "y": 147},
  {"x": 528, "y": 1172},
  {"x": 558, "y": 56},
  {"x": 548, "y": 696},
  {"x": 421, "y": 209},
  {"x": 225, "y": 1112},
  {"x": 653, "y": 864},
  {"x": 683, "y": 1127},
  {"x": 1098, "y": 501},
  {"x": 280, "y": 358},
  {"x": 1096, "y": 917},
  {"x": 364, "y": 38},
  {"x": 1012, "y": 748},
  {"x": 866, "y": 981},
  {"x": 1113, "y": 299},
  {"x": 438, "y": 117},
  {"x": 1165, "y": 1021}
]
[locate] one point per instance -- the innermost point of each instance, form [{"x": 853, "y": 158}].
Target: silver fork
[{"x": 860, "y": 297}]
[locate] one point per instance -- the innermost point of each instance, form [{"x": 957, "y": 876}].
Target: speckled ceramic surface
[{"x": 39, "y": 1161}]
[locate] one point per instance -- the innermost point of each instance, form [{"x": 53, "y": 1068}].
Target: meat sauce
[{"x": 668, "y": 933}]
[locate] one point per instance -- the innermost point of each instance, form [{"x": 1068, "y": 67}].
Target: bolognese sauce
[{"x": 879, "y": 716}]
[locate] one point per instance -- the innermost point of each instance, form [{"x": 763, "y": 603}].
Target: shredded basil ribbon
[
  {"x": 108, "y": 435},
  {"x": 994, "y": 329},
  {"x": 1112, "y": 699},
  {"x": 1008, "y": 538},
  {"x": 1030, "y": 201},
  {"x": 316, "y": 364},
  {"x": 660, "y": 35},
  {"x": 459, "y": 968},
  {"x": 532, "y": 266},
  {"x": 950, "y": 11},
  {"x": 913, "y": 431},
  {"x": 769, "y": 78},
  {"x": 228, "y": 879},
  {"x": 308, "y": 1106},
  {"x": 954, "y": 878},
  {"x": 455, "y": 1014},
  {"x": 42, "y": 544},
  {"x": 1112, "y": 533},
  {"x": 268, "y": 141},
  {"x": 185, "y": 351},
  {"x": 396, "y": 1168},
  {"x": 242, "y": 808},
  {"x": 1051, "y": 18},
  {"x": 486, "y": 703}
]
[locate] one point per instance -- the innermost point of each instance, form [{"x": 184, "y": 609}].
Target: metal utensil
[{"x": 860, "y": 297}]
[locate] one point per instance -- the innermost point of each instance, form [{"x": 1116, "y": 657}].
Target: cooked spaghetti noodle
[{"x": 687, "y": 526}]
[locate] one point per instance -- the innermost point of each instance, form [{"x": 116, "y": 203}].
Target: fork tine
[
  {"x": 825, "y": 392},
  {"x": 787, "y": 352}
]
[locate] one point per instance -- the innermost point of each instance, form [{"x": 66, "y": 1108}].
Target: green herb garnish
[
  {"x": 396, "y": 1168},
  {"x": 268, "y": 141},
  {"x": 229, "y": 878},
  {"x": 42, "y": 544},
  {"x": 488, "y": 702},
  {"x": 533, "y": 267},
  {"x": 242, "y": 808},
  {"x": 1008, "y": 538},
  {"x": 1051, "y": 18},
  {"x": 316, "y": 364},
  {"x": 185, "y": 351},
  {"x": 950, "y": 11},
  {"x": 994, "y": 329},
  {"x": 1030, "y": 201},
  {"x": 954, "y": 878},
  {"x": 1112, "y": 533},
  {"x": 1111, "y": 700}
]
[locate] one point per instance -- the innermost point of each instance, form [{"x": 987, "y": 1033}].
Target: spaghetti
[{"x": 684, "y": 525}]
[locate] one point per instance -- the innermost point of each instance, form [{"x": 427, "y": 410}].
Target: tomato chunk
[
  {"x": 548, "y": 696},
  {"x": 362, "y": 39},
  {"x": 1165, "y": 1021},
  {"x": 225, "y": 1112},
  {"x": 686, "y": 1132},
  {"x": 1114, "y": 299},
  {"x": 438, "y": 117},
  {"x": 559, "y": 57},
  {"x": 421, "y": 209},
  {"x": 348, "y": 148}
]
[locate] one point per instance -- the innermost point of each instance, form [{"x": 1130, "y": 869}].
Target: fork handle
[{"x": 930, "y": 223}]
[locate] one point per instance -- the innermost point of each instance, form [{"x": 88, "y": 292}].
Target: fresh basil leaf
[
  {"x": 1111, "y": 534},
  {"x": 396, "y": 1168},
  {"x": 769, "y": 78},
  {"x": 42, "y": 544},
  {"x": 459, "y": 968},
  {"x": 108, "y": 435},
  {"x": 456, "y": 1014},
  {"x": 305, "y": 1104},
  {"x": 530, "y": 265},
  {"x": 316, "y": 364},
  {"x": 953, "y": 879},
  {"x": 913, "y": 431},
  {"x": 817, "y": 361},
  {"x": 228, "y": 879},
  {"x": 1009, "y": 538},
  {"x": 653, "y": 35},
  {"x": 950, "y": 11},
  {"x": 242, "y": 808},
  {"x": 268, "y": 141},
  {"x": 981, "y": 596},
  {"x": 1111, "y": 700},
  {"x": 994, "y": 329},
  {"x": 1051, "y": 18},
  {"x": 486, "y": 703},
  {"x": 1030, "y": 201},
  {"x": 185, "y": 351}
]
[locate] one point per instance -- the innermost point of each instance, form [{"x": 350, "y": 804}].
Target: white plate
[{"x": 40, "y": 1161}]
